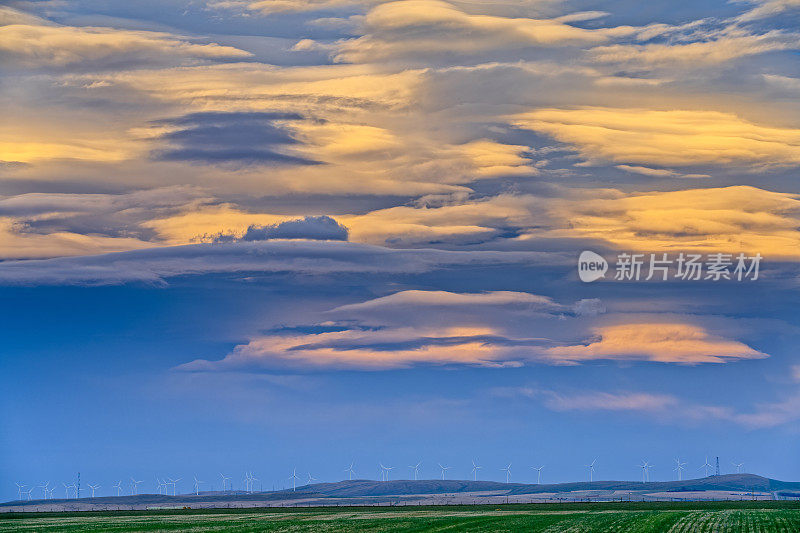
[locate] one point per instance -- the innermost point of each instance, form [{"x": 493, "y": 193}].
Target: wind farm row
[{"x": 165, "y": 485}]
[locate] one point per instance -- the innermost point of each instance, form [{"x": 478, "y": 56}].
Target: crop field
[{"x": 629, "y": 517}]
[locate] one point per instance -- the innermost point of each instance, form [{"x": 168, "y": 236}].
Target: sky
[{"x": 259, "y": 235}]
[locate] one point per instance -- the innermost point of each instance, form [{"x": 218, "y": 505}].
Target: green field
[{"x": 620, "y": 517}]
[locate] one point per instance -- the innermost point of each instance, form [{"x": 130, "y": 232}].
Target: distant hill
[
  {"x": 362, "y": 490},
  {"x": 730, "y": 482}
]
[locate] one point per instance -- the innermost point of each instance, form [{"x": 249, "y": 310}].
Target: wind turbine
[
  {"x": 28, "y": 493},
  {"x": 174, "y": 483},
  {"x": 679, "y": 468},
  {"x": 507, "y": 470},
  {"x": 350, "y": 471},
  {"x": 118, "y": 486},
  {"x": 93, "y": 487},
  {"x": 475, "y": 469},
  {"x": 197, "y": 486},
  {"x": 224, "y": 478},
  {"x": 135, "y": 485},
  {"x": 294, "y": 479},
  {"x": 706, "y": 465},
  {"x": 161, "y": 483},
  {"x": 538, "y": 474},
  {"x": 310, "y": 478},
  {"x": 19, "y": 489},
  {"x": 51, "y": 491},
  {"x": 591, "y": 470},
  {"x": 44, "y": 488},
  {"x": 66, "y": 490},
  {"x": 444, "y": 469},
  {"x": 738, "y": 467},
  {"x": 645, "y": 466},
  {"x": 415, "y": 468},
  {"x": 385, "y": 471}
]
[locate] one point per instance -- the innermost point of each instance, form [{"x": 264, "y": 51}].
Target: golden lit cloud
[
  {"x": 416, "y": 28},
  {"x": 16, "y": 243},
  {"x": 361, "y": 349},
  {"x": 700, "y": 54},
  {"x": 667, "y": 138},
  {"x": 49, "y": 45},
  {"x": 729, "y": 219},
  {"x": 657, "y": 342}
]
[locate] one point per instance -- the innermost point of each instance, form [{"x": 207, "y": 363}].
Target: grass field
[{"x": 783, "y": 517}]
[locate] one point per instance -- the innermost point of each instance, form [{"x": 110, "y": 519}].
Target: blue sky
[{"x": 263, "y": 235}]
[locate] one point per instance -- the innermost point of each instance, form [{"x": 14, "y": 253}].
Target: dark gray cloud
[
  {"x": 238, "y": 139},
  {"x": 322, "y": 228},
  {"x": 155, "y": 265}
]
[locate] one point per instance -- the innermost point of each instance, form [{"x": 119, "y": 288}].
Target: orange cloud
[
  {"x": 32, "y": 45},
  {"x": 355, "y": 348},
  {"x": 665, "y": 138},
  {"x": 416, "y": 28},
  {"x": 729, "y": 219},
  {"x": 657, "y": 342}
]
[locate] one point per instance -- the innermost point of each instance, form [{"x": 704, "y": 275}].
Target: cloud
[
  {"x": 380, "y": 349},
  {"x": 657, "y": 342},
  {"x": 695, "y": 55},
  {"x": 416, "y": 298},
  {"x": 659, "y": 172},
  {"x": 238, "y": 139},
  {"x": 273, "y": 7},
  {"x": 155, "y": 265},
  {"x": 767, "y": 8},
  {"x": 728, "y": 219},
  {"x": 594, "y": 400},
  {"x": 649, "y": 137},
  {"x": 705, "y": 220},
  {"x": 29, "y": 45},
  {"x": 422, "y": 28},
  {"x": 493, "y": 328},
  {"x": 17, "y": 243},
  {"x": 317, "y": 228},
  {"x": 41, "y": 225},
  {"x": 664, "y": 407}
]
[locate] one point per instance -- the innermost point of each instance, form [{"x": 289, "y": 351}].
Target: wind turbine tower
[
  {"x": 385, "y": 471},
  {"x": 538, "y": 474},
  {"x": 507, "y": 470},
  {"x": 20, "y": 486},
  {"x": 197, "y": 486},
  {"x": 294, "y": 479},
  {"x": 350, "y": 471},
  {"x": 591, "y": 470},
  {"x": 679, "y": 468},
  {"x": 475, "y": 469},
  {"x": 717, "y": 469},
  {"x": 738, "y": 467},
  {"x": 444, "y": 469},
  {"x": 415, "y": 468},
  {"x": 706, "y": 466},
  {"x": 645, "y": 466}
]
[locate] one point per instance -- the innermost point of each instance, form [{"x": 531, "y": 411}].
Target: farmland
[{"x": 629, "y": 517}]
